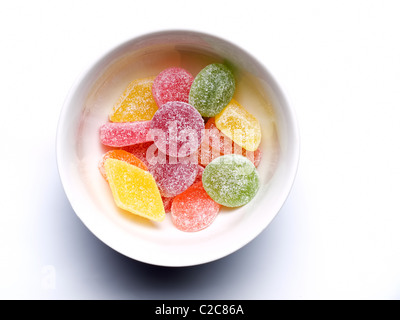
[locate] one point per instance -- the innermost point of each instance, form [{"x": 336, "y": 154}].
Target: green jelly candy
[
  {"x": 212, "y": 89},
  {"x": 231, "y": 180}
]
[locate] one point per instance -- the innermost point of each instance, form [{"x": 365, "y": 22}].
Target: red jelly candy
[
  {"x": 122, "y": 134},
  {"x": 167, "y": 202},
  {"x": 177, "y": 129},
  {"x": 194, "y": 210},
  {"x": 253, "y": 156},
  {"x": 172, "y": 84},
  {"x": 140, "y": 151},
  {"x": 213, "y": 143},
  {"x": 200, "y": 171}
]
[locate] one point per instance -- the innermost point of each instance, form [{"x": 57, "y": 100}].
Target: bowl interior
[{"x": 79, "y": 149}]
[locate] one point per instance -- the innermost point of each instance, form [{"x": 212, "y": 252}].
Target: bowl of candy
[{"x": 177, "y": 148}]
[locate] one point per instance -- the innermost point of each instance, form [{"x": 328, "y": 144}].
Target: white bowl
[{"x": 79, "y": 149}]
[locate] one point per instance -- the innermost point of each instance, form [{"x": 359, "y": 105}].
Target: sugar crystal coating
[
  {"x": 123, "y": 156},
  {"x": 177, "y": 129},
  {"x": 136, "y": 102},
  {"x": 199, "y": 176},
  {"x": 157, "y": 125},
  {"x": 212, "y": 89},
  {"x": 167, "y": 202},
  {"x": 172, "y": 84},
  {"x": 231, "y": 180},
  {"x": 254, "y": 156},
  {"x": 194, "y": 210},
  {"x": 216, "y": 144},
  {"x": 239, "y": 125},
  {"x": 125, "y": 134},
  {"x": 139, "y": 150},
  {"x": 173, "y": 176},
  {"x": 212, "y": 145},
  {"x": 134, "y": 189}
]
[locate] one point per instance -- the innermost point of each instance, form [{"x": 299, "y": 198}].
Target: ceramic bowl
[{"x": 79, "y": 149}]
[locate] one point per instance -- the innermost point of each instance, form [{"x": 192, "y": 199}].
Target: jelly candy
[
  {"x": 199, "y": 176},
  {"x": 136, "y": 103},
  {"x": 134, "y": 189},
  {"x": 212, "y": 145},
  {"x": 172, "y": 175},
  {"x": 231, "y": 180},
  {"x": 139, "y": 151},
  {"x": 194, "y": 210},
  {"x": 158, "y": 127},
  {"x": 125, "y": 134},
  {"x": 177, "y": 129},
  {"x": 239, "y": 125},
  {"x": 123, "y": 156},
  {"x": 254, "y": 156},
  {"x": 172, "y": 84},
  {"x": 215, "y": 144},
  {"x": 167, "y": 202},
  {"x": 219, "y": 141},
  {"x": 212, "y": 89}
]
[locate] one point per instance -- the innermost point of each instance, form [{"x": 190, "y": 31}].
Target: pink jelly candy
[
  {"x": 172, "y": 175},
  {"x": 125, "y": 133},
  {"x": 172, "y": 84},
  {"x": 194, "y": 210},
  {"x": 177, "y": 129}
]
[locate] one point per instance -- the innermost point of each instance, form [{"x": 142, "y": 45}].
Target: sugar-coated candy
[
  {"x": 172, "y": 84},
  {"x": 194, "y": 210},
  {"x": 177, "y": 129},
  {"x": 123, "y": 156},
  {"x": 134, "y": 189},
  {"x": 231, "y": 180},
  {"x": 173, "y": 176},
  {"x": 139, "y": 151},
  {"x": 199, "y": 176},
  {"x": 164, "y": 161},
  {"x": 212, "y": 145},
  {"x": 219, "y": 141},
  {"x": 136, "y": 103},
  {"x": 216, "y": 144},
  {"x": 239, "y": 125},
  {"x": 167, "y": 202},
  {"x": 212, "y": 89},
  {"x": 254, "y": 156},
  {"x": 125, "y": 133}
]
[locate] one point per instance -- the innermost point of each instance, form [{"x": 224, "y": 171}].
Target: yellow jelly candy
[
  {"x": 239, "y": 125},
  {"x": 134, "y": 189},
  {"x": 136, "y": 103}
]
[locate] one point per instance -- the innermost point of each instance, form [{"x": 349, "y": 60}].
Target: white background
[{"x": 337, "y": 236}]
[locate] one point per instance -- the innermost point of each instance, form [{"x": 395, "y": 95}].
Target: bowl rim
[{"x": 290, "y": 118}]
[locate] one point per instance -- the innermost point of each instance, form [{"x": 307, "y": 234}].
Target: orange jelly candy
[{"x": 123, "y": 156}]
